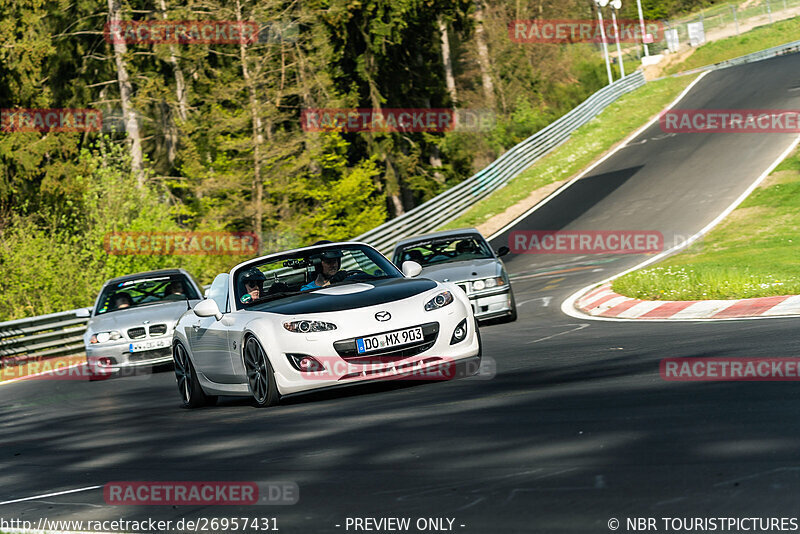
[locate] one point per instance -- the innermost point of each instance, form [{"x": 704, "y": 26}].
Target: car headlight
[
  {"x": 439, "y": 301},
  {"x": 102, "y": 337},
  {"x": 488, "y": 283},
  {"x": 304, "y": 327}
]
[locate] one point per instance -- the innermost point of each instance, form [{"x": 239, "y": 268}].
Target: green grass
[
  {"x": 757, "y": 39},
  {"x": 754, "y": 252},
  {"x": 584, "y": 146}
]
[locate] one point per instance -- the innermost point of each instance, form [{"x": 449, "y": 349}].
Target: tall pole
[
  {"x": 605, "y": 45},
  {"x": 644, "y": 32},
  {"x": 619, "y": 49}
]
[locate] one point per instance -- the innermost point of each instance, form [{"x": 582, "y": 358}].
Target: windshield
[
  {"x": 442, "y": 250},
  {"x": 145, "y": 291},
  {"x": 308, "y": 271}
]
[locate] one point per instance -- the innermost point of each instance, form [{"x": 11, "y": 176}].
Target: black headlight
[{"x": 306, "y": 327}]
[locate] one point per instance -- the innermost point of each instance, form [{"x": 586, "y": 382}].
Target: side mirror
[
  {"x": 411, "y": 268},
  {"x": 207, "y": 308},
  {"x": 83, "y": 313},
  {"x": 502, "y": 251}
]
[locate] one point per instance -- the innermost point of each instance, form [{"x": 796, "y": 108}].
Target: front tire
[
  {"x": 260, "y": 376},
  {"x": 192, "y": 394}
]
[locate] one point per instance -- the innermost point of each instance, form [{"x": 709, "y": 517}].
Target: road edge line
[
  {"x": 568, "y": 305},
  {"x": 620, "y": 146}
]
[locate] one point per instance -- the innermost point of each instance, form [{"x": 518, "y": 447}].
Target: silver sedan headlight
[
  {"x": 102, "y": 337},
  {"x": 488, "y": 283}
]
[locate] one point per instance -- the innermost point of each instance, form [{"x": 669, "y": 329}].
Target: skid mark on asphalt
[{"x": 553, "y": 283}]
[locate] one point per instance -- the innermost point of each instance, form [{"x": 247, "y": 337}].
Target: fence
[
  {"x": 730, "y": 19},
  {"x": 61, "y": 334}
]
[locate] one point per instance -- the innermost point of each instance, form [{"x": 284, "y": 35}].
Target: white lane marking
[
  {"x": 28, "y": 377},
  {"x": 54, "y": 494},
  {"x": 704, "y": 308},
  {"x": 568, "y": 306},
  {"x": 577, "y": 327},
  {"x": 545, "y": 301},
  {"x": 619, "y": 147}
]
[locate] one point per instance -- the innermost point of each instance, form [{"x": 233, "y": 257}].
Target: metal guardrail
[
  {"x": 61, "y": 334},
  {"x": 453, "y": 202},
  {"x": 37, "y": 338}
]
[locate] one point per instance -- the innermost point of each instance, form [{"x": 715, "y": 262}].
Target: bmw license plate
[
  {"x": 389, "y": 340},
  {"x": 152, "y": 344}
]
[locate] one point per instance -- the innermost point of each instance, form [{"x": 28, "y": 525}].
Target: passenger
[
  {"x": 252, "y": 281},
  {"x": 174, "y": 291}
]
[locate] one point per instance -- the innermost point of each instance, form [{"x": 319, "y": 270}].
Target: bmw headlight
[
  {"x": 102, "y": 337},
  {"x": 304, "y": 327},
  {"x": 439, "y": 301},
  {"x": 488, "y": 283}
]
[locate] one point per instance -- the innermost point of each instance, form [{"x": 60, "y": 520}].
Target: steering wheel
[{"x": 341, "y": 276}]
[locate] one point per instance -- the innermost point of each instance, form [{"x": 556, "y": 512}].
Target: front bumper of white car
[{"x": 435, "y": 357}]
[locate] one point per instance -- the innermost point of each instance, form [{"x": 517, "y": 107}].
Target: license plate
[
  {"x": 389, "y": 340},
  {"x": 153, "y": 344}
]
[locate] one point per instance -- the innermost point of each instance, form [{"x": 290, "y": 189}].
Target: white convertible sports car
[{"x": 328, "y": 315}]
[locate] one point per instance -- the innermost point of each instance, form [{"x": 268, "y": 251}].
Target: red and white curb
[{"x": 603, "y": 302}]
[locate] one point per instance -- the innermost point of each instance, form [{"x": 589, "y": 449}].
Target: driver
[
  {"x": 330, "y": 261},
  {"x": 252, "y": 281}
]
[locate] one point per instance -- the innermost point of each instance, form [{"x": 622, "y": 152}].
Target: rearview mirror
[
  {"x": 502, "y": 251},
  {"x": 411, "y": 268},
  {"x": 207, "y": 308},
  {"x": 83, "y": 313}
]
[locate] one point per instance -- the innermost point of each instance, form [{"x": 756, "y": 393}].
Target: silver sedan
[
  {"x": 133, "y": 319},
  {"x": 466, "y": 259}
]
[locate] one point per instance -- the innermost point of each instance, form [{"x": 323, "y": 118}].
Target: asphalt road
[{"x": 575, "y": 428}]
